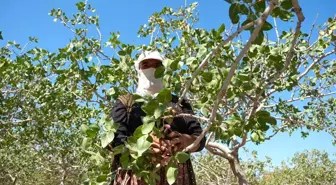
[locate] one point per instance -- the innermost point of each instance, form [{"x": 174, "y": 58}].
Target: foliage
[
  {"x": 307, "y": 167},
  {"x": 54, "y": 104}
]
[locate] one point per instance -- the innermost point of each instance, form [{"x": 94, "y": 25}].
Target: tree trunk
[{"x": 238, "y": 171}]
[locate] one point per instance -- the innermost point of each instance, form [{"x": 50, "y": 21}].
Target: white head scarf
[{"x": 147, "y": 83}]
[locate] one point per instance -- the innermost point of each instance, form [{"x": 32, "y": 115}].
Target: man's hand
[
  {"x": 161, "y": 150},
  {"x": 181, "y": 141},
  {"x": 177, "y": 141}
]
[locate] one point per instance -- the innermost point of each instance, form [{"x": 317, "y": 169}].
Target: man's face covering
[{"x": 147, "y": 83}]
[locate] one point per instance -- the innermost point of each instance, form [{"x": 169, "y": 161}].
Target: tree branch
[
  {"x": 290, "y": 53},
  {"x": 276, "y": 30},
  {"x": 311, "y": 30},
  {"x": 301, "y": 98},
  {"x": 298, "y": 10},
  {"x": 260, "y": 21},
  {"x": 210, "y": 55},
  {"x": 315, "y": 62},
  {"x": 223, "y": 150},
  {"x": 223, "y": 90}
]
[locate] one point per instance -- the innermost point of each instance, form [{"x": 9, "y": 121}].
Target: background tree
[
  {"x": 308, "y": 167},
  {"x": 54, "y": 104}
]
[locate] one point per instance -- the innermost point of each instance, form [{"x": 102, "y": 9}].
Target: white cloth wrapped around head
[
  {"x": 147, "y": 55},
  {"x": 147, "y": 83}
]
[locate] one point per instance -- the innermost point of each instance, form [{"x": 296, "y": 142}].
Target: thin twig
[
  {"x": 276, "y": 30},
  {"x": 24, "y": 47},
  {"x": 311, "y": 30},
  {"x": 301, "y": 98},
  {"x": 99, "y": 33},
  {"x": 315, "y": 62}
]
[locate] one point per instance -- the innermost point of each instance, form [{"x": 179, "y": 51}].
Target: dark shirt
[{"x": 128, "y": 122}]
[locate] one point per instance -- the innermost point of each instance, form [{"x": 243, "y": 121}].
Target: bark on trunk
[{"x": 238, "y": 171}]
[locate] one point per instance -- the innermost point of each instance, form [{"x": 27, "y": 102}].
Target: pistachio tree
[{"x": 55, "y": 105}]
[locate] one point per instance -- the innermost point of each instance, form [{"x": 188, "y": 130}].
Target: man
[{"x": 184, "y": 129}]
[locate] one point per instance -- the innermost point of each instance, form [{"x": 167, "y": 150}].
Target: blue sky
[{"x": 21, "y": 19}]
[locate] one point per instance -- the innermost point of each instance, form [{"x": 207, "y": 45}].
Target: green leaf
[
  {"x": 150, "y": 107},
  {"x": 259, "y": 40},
  {"x": 143, "y": 144},
  {"x": 124, "y": 159},
  {"x": 202, "y": 49},
  {"x": 147, "y": 127},
  {"x": 101, "y": 178},
  {"x": 287, "y": 4},
  {"x": 159, "y": 111},
  {"x": 121, "y": 53},
  {"x": 243, "y": 9},
  {"x": 254, "y": 137},
  {"x": 182, "y": 157},
  {"x": 84, "y": 143},
  {"x": 171, "y": 173},
  {"x": 260, "y": 6},
  {"x": 221, "y": 29},
  {"x": 174, "y": 65},
  {"x": 80, "y": 6},
  {"x": 83, "y": 128},
  {"x": 164, "y": 96},
  {"x": 276, "y": 12},
  {"x": 91, "y": 133},
  {"x": 263, "y": 113},
  {"x": 207, "y": 76},
  {"x": 267, "y": 26},
  {"x": 157, "y": 132},
  {"x": 118, "y": 149},
  {"x": 243, "y": 77},
  {"x": 1, "y": 38},
  {"x": 159, "y": 72},
  {"x": 107, "y": 138},
  {"x": 271, "y": 120},
  {"x": 190, "y": 60},
  {"x": 138, "y": 132},
  {"x": 233, "y": 13}
]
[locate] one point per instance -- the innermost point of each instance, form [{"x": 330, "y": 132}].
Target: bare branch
[
  {"x": 311, "y": 30},
  {"x": 297, "y": 122},
  {"x": 198, "y": 140},
  {"x": 298, "y": 10},
  {"x": 276, "y": 30},
  {"x": 209, "y": 138},
  {"x": 99, "y": 33},
  {"x": 233, "y": 110},
  {"x": 24, "y": 47},
  {"x": 242, "y": 143},
  {"x": 301, "y": 98},
  {"x": 223, "y": 150},
  {"x": 152, "y": 35},
  {"x": 315, "y": 62}
]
